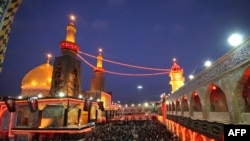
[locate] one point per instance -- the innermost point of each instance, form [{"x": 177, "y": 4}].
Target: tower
[
  {"x": 66, "y": 76},
  {"x": 176, "y": 75},
  {"x": 98, "y": 80}
]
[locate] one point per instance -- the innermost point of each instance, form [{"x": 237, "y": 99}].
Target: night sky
[{"x": 147, "y": 33}]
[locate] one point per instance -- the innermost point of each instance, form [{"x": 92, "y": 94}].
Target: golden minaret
[
  {"x": 98, "y": 80},
  {"x": 66, "y": 78},
  {"x": 176, "y": 75}
]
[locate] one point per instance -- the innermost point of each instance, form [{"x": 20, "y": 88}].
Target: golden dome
[{"x": 39, "y": 77}]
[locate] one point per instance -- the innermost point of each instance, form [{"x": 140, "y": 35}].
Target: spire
[
  {"x": 99, "y": 61},
  {"x": 71, "y": 30},
  {"x": 68, "y": 46},
  {"x": 49, "y": 57},
  {"x": 72, "y": 18}
]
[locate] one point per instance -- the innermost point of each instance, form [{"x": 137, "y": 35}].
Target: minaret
[
  {"x": 176, "y": 75},
  {"x": 66, "y": 77},
  {"x": 98, "y": 80},
  {"x": 68, "y": 46}
]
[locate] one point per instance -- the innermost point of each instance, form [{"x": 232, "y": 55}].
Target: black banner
[
  {"x": 87, "y": 104},
  {"x": 100, "y": 104},
  {"x": 10, "y": 103},
  {"x": 33, "y": 104}
]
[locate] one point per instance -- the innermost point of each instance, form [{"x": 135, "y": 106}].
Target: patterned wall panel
[{"x": 8, "y": 9}]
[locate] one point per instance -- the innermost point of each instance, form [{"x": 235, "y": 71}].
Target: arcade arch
[
  {"x": 195, "y": 102},
  {"x": 173, "y": 107},
  {"x": 184, "y": 103},
  {"x": 4, "y": 119},
  {"x": 178, "y": 106},
  {"x": 187, "y": 135},
  {"x": 246, "y": 91},
  {"x": 199, "y": 137},
  {"x": 169, "y": 107},
  {"x": 218, "y": 102}
]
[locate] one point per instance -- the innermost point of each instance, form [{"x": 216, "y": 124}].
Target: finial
[
  {"x": 72, "y": 19},
  {"x": 49, "y": 56},
  {"x": 100, "y": 51},
  {"x": 174, "y": 59}
]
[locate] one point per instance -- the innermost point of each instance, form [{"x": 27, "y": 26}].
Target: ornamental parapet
[{"x": 210, "y": 129}]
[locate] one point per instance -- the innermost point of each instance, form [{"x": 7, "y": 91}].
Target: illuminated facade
[
  {"x": 176, "y": 76},
  {"x": 62, "y": 110},
  {"x": 216, "y": 97},
  {"x": 195, "y": 112}
]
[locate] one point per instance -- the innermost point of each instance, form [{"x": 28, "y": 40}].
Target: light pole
[{"x": 139, "y": 87}]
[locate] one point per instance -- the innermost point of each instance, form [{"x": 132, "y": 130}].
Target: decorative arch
[
  {"x": 178, "y": 105},
  {"x": 195, "y": 102},
  {"x": 184, "y": 103},
  {"x": 173, "y": 106},
  {"x": 187, "y": 135},
  {"x": 172, "y": 126},
  {"x": 199, "y": 137},
  {"x": 2, "y": 111},
  {"x": 180, "y": 133},
  {"x": 169, "y": 107},
  {"x": 218, "y": 102},
  {"x": 246, "y": 90},
  {"x": 4, "y": 119}
]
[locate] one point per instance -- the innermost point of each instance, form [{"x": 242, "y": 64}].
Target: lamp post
[{"x": 139, "y": 87}]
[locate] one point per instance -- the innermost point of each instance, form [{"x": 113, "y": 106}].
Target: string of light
[
  {"x": 127, "y": 65},
  {"x": 118, "y": 73}
]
